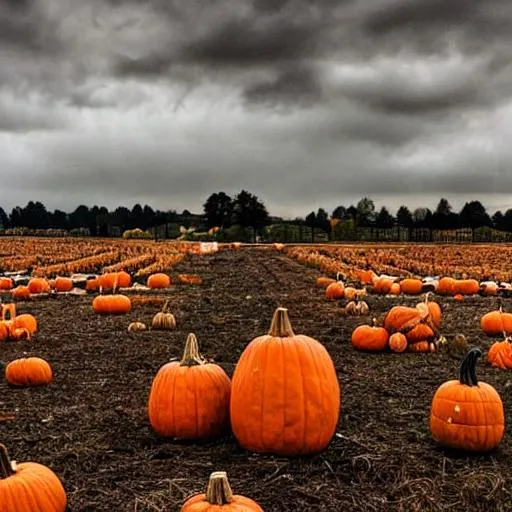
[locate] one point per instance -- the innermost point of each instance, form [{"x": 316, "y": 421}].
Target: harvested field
[{"x": 90, "y": 425}]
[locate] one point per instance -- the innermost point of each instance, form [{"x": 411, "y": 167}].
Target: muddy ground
[{"x": 90, "y": 425}]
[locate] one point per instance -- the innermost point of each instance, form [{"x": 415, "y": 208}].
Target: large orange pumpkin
[
  {"x": 403, "y": 319},
  {"x": 219, "y": 497},
  {"x": 467, "y": 414},
  {"x": 285, "y": 393},
  {"x": 371, "y": 338},
  {"x": 190, "y": 399},
  {"x": 29, "y": 371},
  {"x": 29, "y": 487},
  {"x": 112, "y": 304},
  {"x": 496, "y": 322}
]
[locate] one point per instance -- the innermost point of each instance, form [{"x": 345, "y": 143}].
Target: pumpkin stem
[
  {"x": 281, "y": 326},
  {"x": 374, "y": 322},
  {"x": 338, "y": 274},
  {"x": 191, "y": 355},
  {"x": 8, "y": 309},
  {"x": 166, "y": 305},
  {"x": 6, "y": 466},
  {"x": 468, "y": 367},
  {"x": 219, "y": 491}
]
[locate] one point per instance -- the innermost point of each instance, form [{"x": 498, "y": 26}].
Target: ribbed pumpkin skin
[
  {"x": 480, "y": 423},
  {"x": 190, "y": 402},
  {"x": 373, "y": 339},
  {"x": 26, "y": 321},
  {"x": 21, "y": 292},
  {"x": 34, "y": 488},
  {"x": 63, "y": 284},
  {"x": 398, "y": 342},
  {"x": 158, "y": 281},
  {"x": 285, "y": 396},
  {"x": 239, "y": 504},
  {"x": 111, "y": 304},
  {"x": 496, "y": 322},
  {"x": 411, "y": 286},
  {"x": 38, "y": 285},
  {"x": 500, "y": 355},
  {"x": 30, "y": 371}
]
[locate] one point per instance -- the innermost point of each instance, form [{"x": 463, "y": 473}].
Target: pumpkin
[
  {"x": 219, "y": 497},
  {"x": 63, "y": 284},
  {"x": 5, "y": 331},
  {"x": 28, "y": 371},
  {"x": 158, "y": 281},
  {"x": 496, "y": 322},
  {"x": 190, "y": 399},
  {"x": 351, "y": 308},
  {"x": 136, "y": 327},
  {"x": 489, "y": 288},
  {"x": 371, "y": 338},
  {"x": 29, "y": 487},
  {"x": 467, "y": 414},
  {"x": 421, "y": 346},
  {"x": 164, "y": 320},
  {"x": 411, "y": 286},
  {"x": 20, "y": 333},
  {"x": 398, "y": 342},
  {"x": 124, "y": 280},
  {"x": 458, "y": 296},
  {"x": 285, "y": 393},
  {"x": 115, "y": 304},
  {"x": 382, "y": 285},
  {"x": 420, "y": 332},
  {"x": 467, "y": 287},
  {"x": 335, "y": 290},
  {"x": 403, "y": 319},
  {"x": 5, "y": 283},
  {"x": 324, "y": 282},
  {"x": 446, "y": 286},
  {"x": 500, "y": 354},
  {"x": 395, "y": 289},
  {"x": 26, "y": 321},
  {"x": 362, "y": 308},
  {"x": 367, "y": 276},
  {"x": 108, "y": 281},
  {"x": 38, "y": 285},
  {"x": 350, "y": 293},
  {"x": 21, "y": 293}
]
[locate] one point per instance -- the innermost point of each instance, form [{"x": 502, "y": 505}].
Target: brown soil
[{"x": 90, "y": 425}]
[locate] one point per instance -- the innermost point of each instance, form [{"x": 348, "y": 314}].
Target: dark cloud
[{"x": 283, "y": 97}]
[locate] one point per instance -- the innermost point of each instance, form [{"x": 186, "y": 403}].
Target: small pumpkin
[
  {"x": 489, "y": 288},
  {"x": 21, "y": 292},
  {"x": 38, "y": 285},
  {"x": 434, "y": 310},
  {"x": 422, "y": 346},
  {"x": 467, "y": 414},
  {"x": 420, "y": 332},
  {"x": 370, "y": 337},
  {"x": 467, "y": 287},
  {"x": 29, "y": 371},
  {"x": 108, "y": 281},
  {"x": 382, "y": 285},
  {"x": 190, "y": 399},
  {"x": 6, "y": 283},
  {"x": 63, "y": 284},
  {"x": 335, "y": 290},
  {"x": 28, "y": 486},
  {"x": 500, "y": 354},
  {"x": 190, "y": 279},
  {"x": 398, "y": 342},
  {"x": 350, "y": 293},
  {"x": 220, "y": 497},
  {"x": 124, "y": 280},
  {"x": 92, "y": 285},
  {"x": 446, "y": 286},
  {"x": 164, "y": 320},
  {"x": 273, "y": 411},
  {"x": 395, "y": 289},
  {"x": 411, "y": 286},
  {"x": 158, "y": 281},
  {"x": 136, "y": 327}
]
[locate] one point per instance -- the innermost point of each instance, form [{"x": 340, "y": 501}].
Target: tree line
[{"x": 246, "y": 210}]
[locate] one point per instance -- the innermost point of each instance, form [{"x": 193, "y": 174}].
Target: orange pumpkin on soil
[
  {"x": 467, "y": 414},
  {"x": 219, "y": 497},
  {"x": 27, "y": 487},
  {"x": 335, "y": 290},
  {"x": 395, "y": 289},
  {"x": 382, "y": 286},
  {"x": 496, "y": 322},
  {"x": 324, "y": 282},
  {"x": 411, "y": 286},
  {"x": 21, "y": 293},
  {"x": 500, "y": 354},
  {"x": 38, "y": 285},
  {"x": 159, "y": 281},
  {"x": 6, "y": 283},
  {"x": 63, "y": 284},
  {"x": 398, "y": 342},
  {"x": 403, "y": 319},
  {"x": 111, "y": 304},
  {"x": 272, "y": 411},
  {"x": 190, "y": 399},
  {"x": 446, "y": 286},
  {"x": 30, "y": 371},
  {"x": 370, "y": 338}
]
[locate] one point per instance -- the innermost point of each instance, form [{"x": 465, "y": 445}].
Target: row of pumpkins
[
  {"x": 105, "y": 282},
  {"x": 284, "y": 398},
  {"x": 388, "y": 285}
]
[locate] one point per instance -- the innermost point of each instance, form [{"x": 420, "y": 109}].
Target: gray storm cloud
[{"x": 305, "y": 103}]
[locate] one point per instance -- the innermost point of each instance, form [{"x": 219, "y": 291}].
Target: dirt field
[{"x": 90, "y": 425}]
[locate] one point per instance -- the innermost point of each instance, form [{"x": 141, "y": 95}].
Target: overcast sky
[{"x": 306, "y": 103}]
